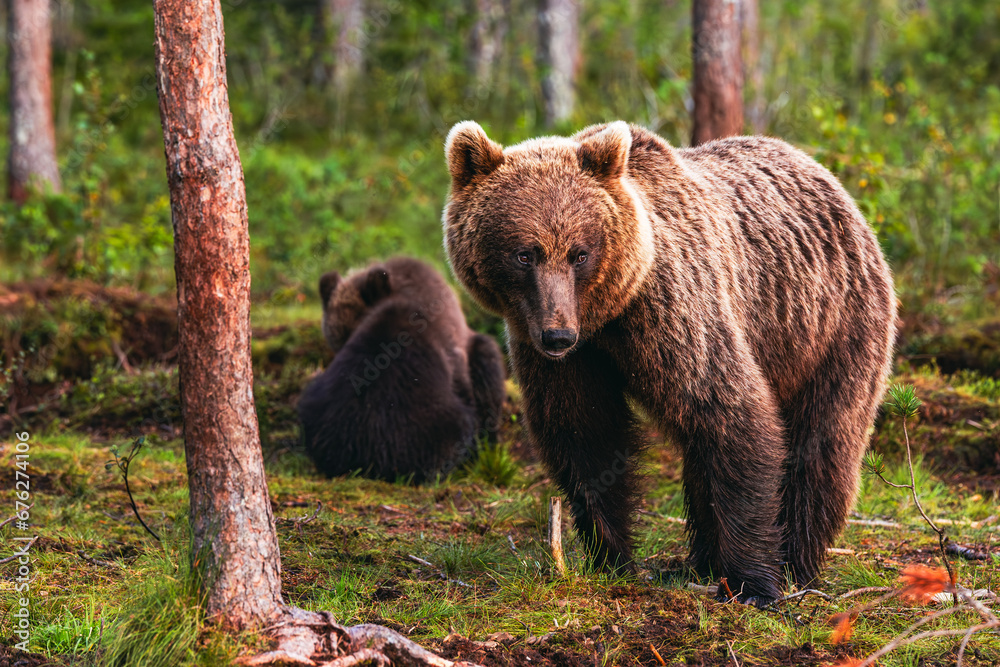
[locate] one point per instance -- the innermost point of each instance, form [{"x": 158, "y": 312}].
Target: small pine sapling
[
  {"x": 903, "y": 403},
  {"x": 919, "y": 584}
]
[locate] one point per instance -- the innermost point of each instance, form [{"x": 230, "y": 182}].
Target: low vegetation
[{"x": 461, "y": 565}]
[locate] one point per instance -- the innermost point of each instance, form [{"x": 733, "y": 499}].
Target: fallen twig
[
  {"x": 420, "y": 561},
  {"x": 21, "y": 551},
  {"x": 906, "y": 641},
  {"x": 803, "y": 593},
  {"x": 305, "y": 518},
  {"x": 865, "y": 590},
  {"x": 664, "y": 517},
  {"x": 440, "y": 572},
  {"x": 13, "y": 517},
  {"x": 703, "y": 590},
  {"x": 965, "y": 552},
  {"x": 97, "y": 561},
  {"x": 874, "y": 522},
  {"x": 923, "y": 584},
  {"x": 732, "y": 654}
]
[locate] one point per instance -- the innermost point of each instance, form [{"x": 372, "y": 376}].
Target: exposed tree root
[{"x": 314, "y": 639}]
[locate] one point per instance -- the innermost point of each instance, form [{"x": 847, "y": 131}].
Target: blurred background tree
[
  {"x": 32, "y": 156},
  {"x": 341, "y": 106}
]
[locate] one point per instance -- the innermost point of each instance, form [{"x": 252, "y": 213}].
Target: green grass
[
  {"x": 354, "y": 560},
  {"x": 482, "y": 528}
]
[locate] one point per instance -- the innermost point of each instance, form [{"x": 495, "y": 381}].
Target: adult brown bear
[
  {"x": 733, "y": 291},
  {"x": 411, "y": 389}
]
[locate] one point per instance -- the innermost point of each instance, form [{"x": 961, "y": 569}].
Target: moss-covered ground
[{"x": 459, "y": 565}]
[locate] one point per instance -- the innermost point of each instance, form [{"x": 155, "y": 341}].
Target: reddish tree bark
[
  {"x": 718, "y": 70},
  {"x": 234, "y": 541},
  {"x": 234, "y": 544},
  {"x": 32, "y": 158},
  {"x": 559, "y": 56}
]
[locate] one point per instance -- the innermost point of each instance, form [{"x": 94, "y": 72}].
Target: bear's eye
[
  {"x": 580, "y": 258},
  {"x": 524, "y": 258}
]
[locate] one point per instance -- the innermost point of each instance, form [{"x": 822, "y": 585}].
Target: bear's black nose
[{"x": 558, "y": 339}]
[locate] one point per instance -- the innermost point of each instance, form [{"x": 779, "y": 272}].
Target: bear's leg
[
  {"x": 585, "y": 432},
  {"x": 827, "y": 423},
  {"x": 734, "y": 449},
  {"x": 486, "y": 371}
]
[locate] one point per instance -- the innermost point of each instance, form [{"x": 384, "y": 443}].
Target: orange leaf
[
  {"x": 921, "y": 583},
  {"x": 844, "y": 626},
  {"x": 848, "y": 662}
]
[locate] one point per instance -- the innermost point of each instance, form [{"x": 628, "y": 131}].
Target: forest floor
[{"x": 460, "y": 565}]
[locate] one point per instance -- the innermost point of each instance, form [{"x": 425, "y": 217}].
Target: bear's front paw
[
  {"x": 758, "y": 596},
  {"x": 759, "y": 601}
]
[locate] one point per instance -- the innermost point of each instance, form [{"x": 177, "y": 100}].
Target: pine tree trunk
[
  {"x": 486, "y": 39},
  {"x": 753, "y": 74},
  {"x": 344, "y": 24},
  {"x": 234, "y": 541},
  {"x": 718, "y": 70},
  {"x": 559, "y": 56},
  {"x": 32, "y": 159}
]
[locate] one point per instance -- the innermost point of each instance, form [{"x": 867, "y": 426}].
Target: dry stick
[
  {"x": 961, "y": 647},
  {"x": 555, "y": 535},
  {"x": 23, "y": 551},
  {"x": 901, "y": 641},
  {"x": 441, "y": 573},
  {"x": 969, "y": 597},
  {"x": 732, "y": 654},
  {"x": 803, "y": 593},
  {"x": 14, "y": 516},
  {"x": 866, "y": 589},
  {"x": 305, "y": 518},
  {"x": 98, "y": 562}
]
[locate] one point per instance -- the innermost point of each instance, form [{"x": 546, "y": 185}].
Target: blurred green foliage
[{"x": 901, "y": 99}]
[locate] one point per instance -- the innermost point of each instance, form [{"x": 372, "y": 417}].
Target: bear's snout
[{"x": 557, "y": 342}]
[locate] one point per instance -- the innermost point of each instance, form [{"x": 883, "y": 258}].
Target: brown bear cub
[
  {"x": 411, "y": 389},
  {"x": 732, "y": 291}
]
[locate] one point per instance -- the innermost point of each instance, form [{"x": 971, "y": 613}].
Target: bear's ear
[
  {"x": 375, "y": 286},
  {"x": 470, "y": 153},
  {"x": 605, "y": 155},
  {"x": 327, "y": 284}
]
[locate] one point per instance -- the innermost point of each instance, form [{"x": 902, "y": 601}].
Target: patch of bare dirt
[{"x": 12, "y": 657}]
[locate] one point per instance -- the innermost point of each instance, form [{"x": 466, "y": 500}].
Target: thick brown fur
[
  {"x": 733, "y": 291},
  {"x": 411, "y": 389}
]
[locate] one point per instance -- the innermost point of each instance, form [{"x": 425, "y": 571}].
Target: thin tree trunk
[
  {"x": 869, "y": 47},
  {"x": 718, "y": 70},
  {"x": 32, "y": 159},
  {"x": 753, "y": 73},
  {"x": 344, "y": 23},
  {"x": 559, "y": 56},
  {"x": 486, "y": 39},
  {"x": 234, "y": 541}
]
